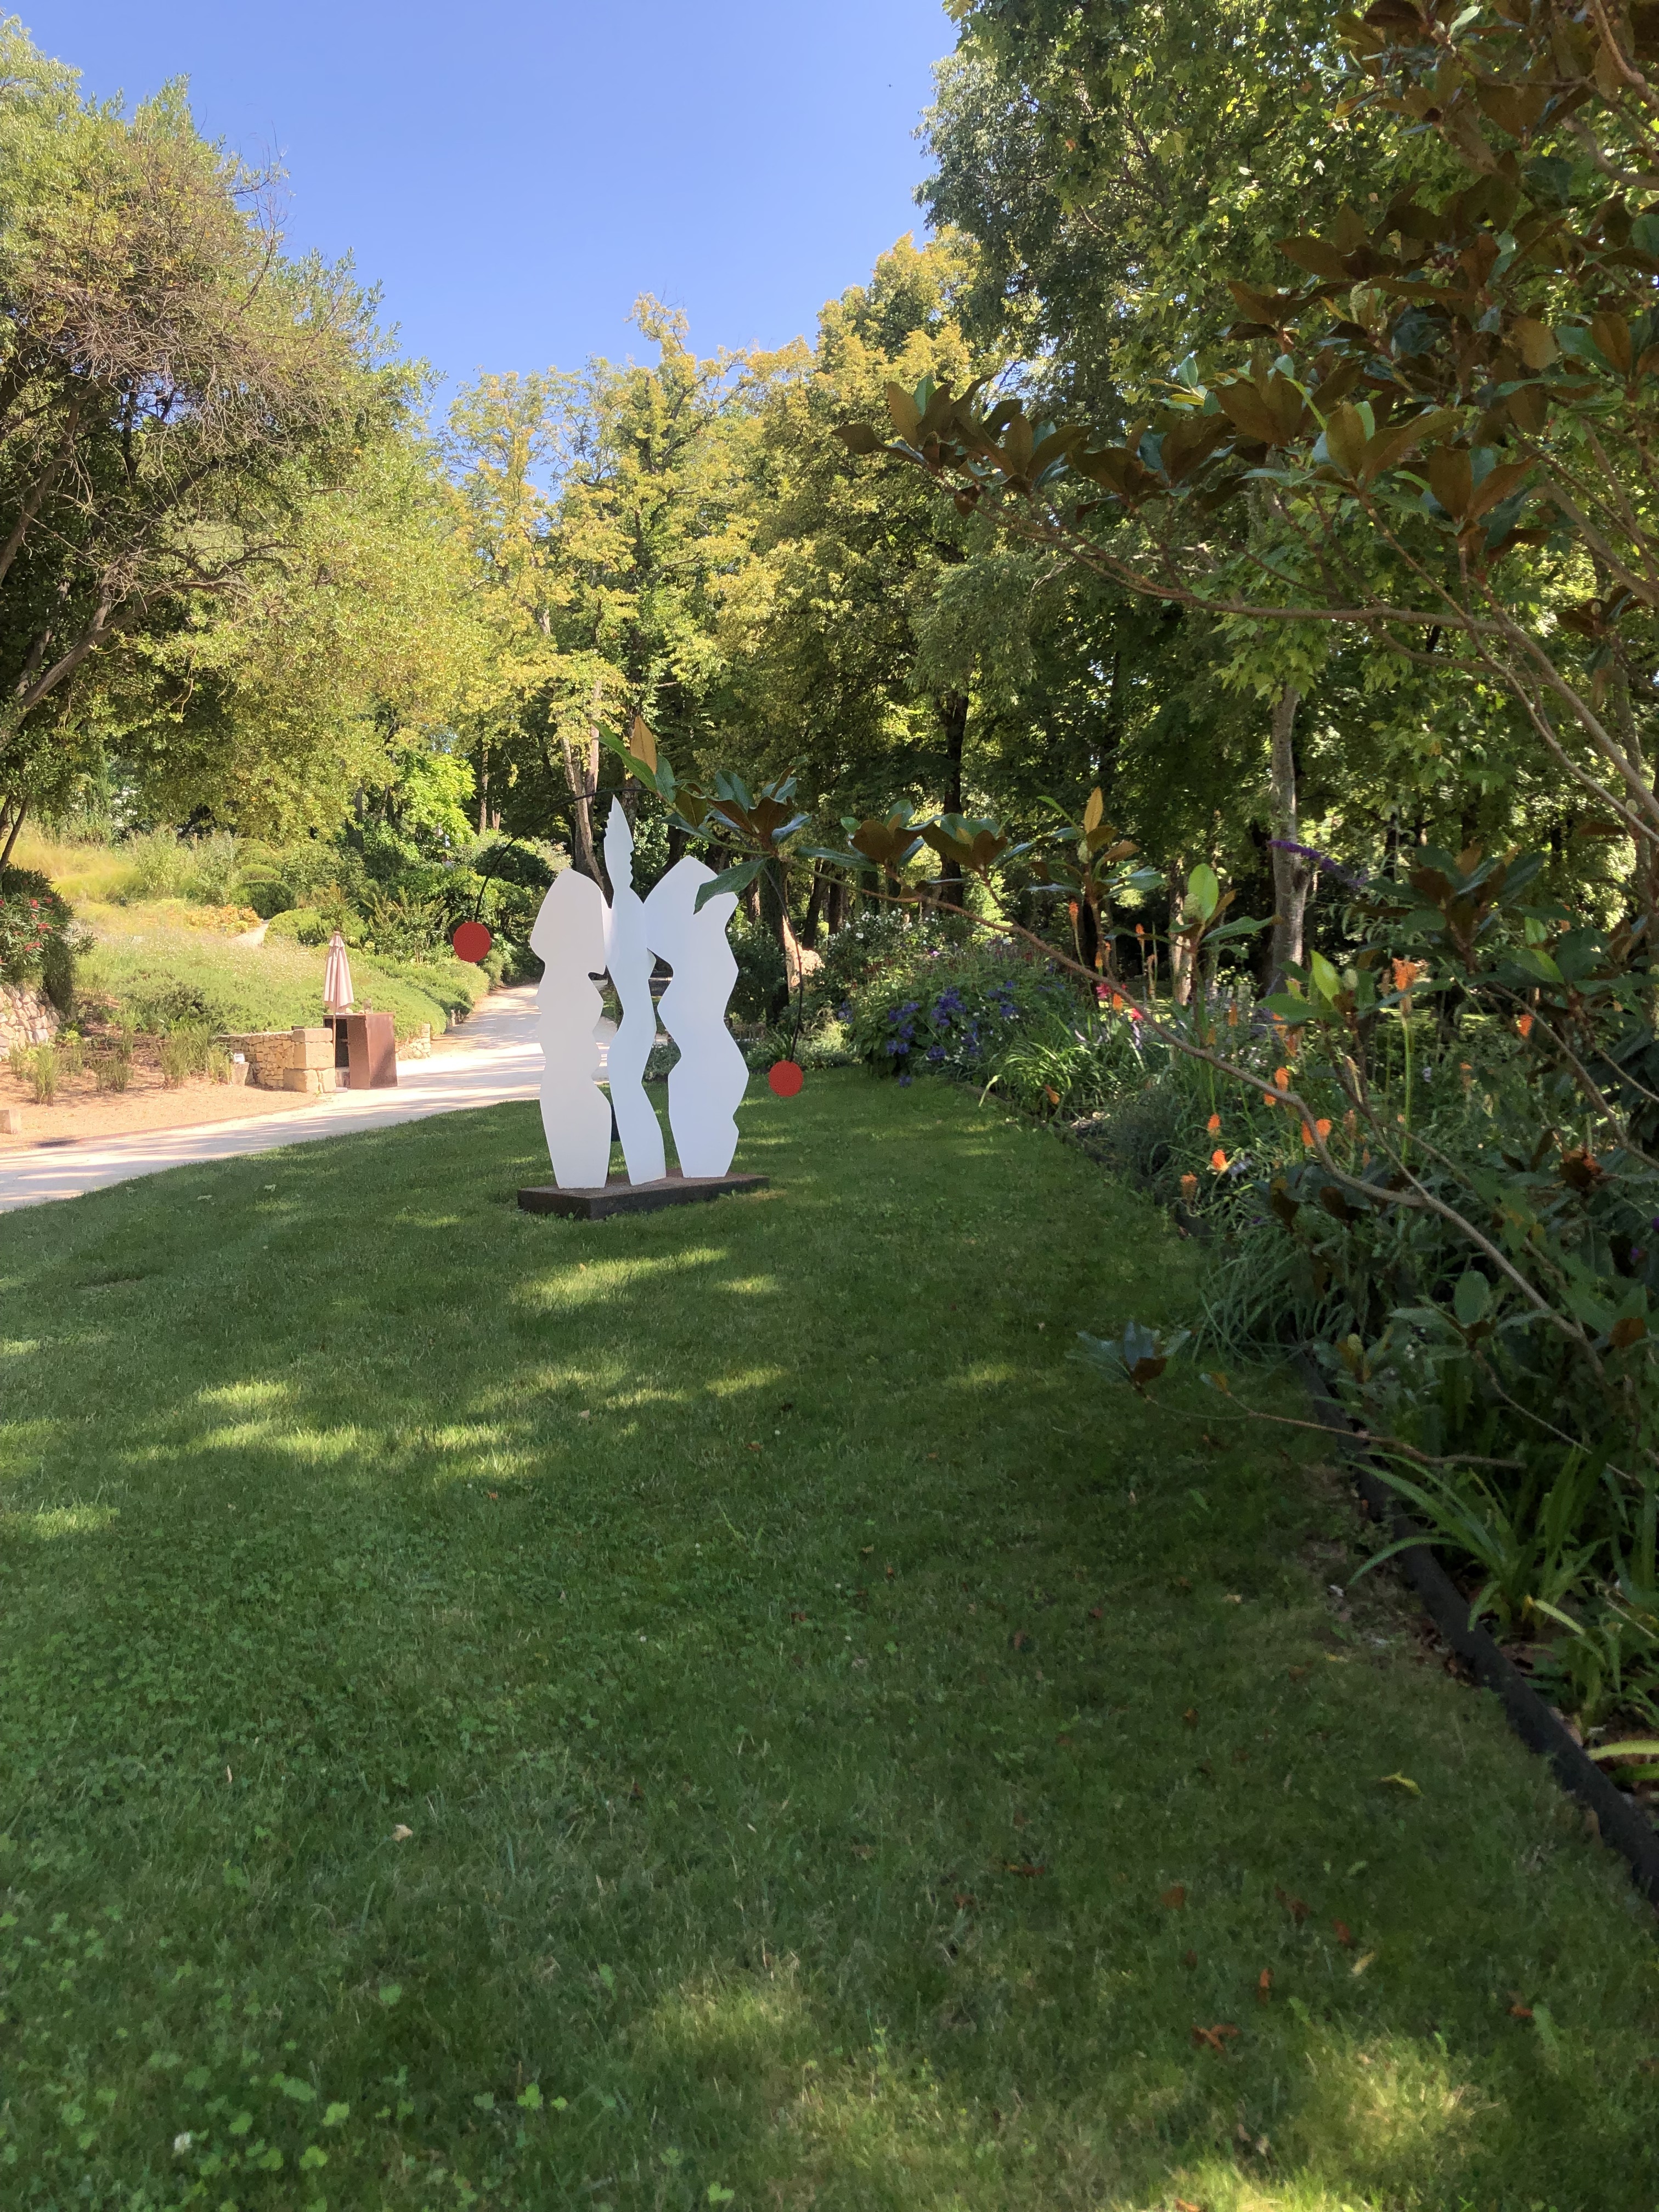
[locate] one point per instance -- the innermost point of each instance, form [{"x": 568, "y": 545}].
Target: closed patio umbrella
[{"x": 337, "y": 977}]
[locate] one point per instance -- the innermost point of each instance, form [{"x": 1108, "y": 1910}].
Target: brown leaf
[
  {"x": 864, "y": 1851},
  {"x": 1518, "y": 2011},
  {"x": 1176, "y": 1894},
  {"x": 798, "y": 1616},
  {"x": 1185, "y": 2204},
  {"x": 1299, "y": 1674},
  {"x": 1095, "y": 1612},
  {"x": 1024, "y": 1868},
  {"x": 1217, "y": 2037},
  {"x": 1264, "y": 1986},
  {"x": 1021, "y": 1641},
  {"x": 1189, "y": 1958},
  {"x": 1190, "y": 1716},
  {"x": 1344, "y": 1933},
  {"x": 1294, "y": 1905}
]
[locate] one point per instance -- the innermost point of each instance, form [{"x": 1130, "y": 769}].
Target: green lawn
[{"x": 716, "y": 1708}]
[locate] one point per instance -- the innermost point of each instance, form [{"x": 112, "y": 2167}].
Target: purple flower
[{"x": 904, "y": 1081}]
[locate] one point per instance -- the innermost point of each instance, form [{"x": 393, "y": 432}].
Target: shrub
[
  {"x": 952, "y": 1010},
  {"x": 43, "y": 1072},
  {"x": 38, "y": 940},
  {"x": 192, "y": 1051},
  {"x": 762, "y": 980},
  {"x": 300, "y": 925},
  {"x": 112, "y": 1067}
]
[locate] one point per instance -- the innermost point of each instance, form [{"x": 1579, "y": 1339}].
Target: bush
[
  {"x": 762, "y": 979},
  {"x": 953, "y": 1009},
  {"x": 300, "y": 924},
  {"x": 192, "y": 1051},
  {"x": 38, "y": 939}
]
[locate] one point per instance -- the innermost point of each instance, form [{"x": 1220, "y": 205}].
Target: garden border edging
[{"x": 1621, "y": 1821}]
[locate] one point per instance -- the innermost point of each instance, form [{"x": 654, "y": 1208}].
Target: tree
[
  {"x": 172, "y": 390},
  {"x": 606, "y": 582}
]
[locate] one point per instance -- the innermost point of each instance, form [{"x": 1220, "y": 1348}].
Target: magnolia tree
[{"x": 1438, "y": 435}]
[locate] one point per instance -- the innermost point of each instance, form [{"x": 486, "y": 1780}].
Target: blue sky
[{"x": 512, "y": 174}]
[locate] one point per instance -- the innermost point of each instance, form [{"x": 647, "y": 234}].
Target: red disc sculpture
[
  {"x": 786, "y": 1077},
  {"x": 472, "y": 941}
]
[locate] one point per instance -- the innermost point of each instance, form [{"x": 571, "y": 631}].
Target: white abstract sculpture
[
  {"x": 576, "y": 937},
  {"x": 568, "y": 939},
  {"x": 707, "y": 1082},
  {"x": 630, "y": 963}
]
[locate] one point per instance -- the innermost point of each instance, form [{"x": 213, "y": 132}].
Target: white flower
[{"x": 184, "y": 2142}]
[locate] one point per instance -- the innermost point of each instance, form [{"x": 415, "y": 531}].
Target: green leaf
[
  {"x": 336, "y": 2114},
  {"x": 312, "y": 2157},
  {"x": 1326, "y": 982},
  {"x": 1204, "y": 890},
  {"x": 737, "y": 878},
  {"x": 390, "y": 1992},
  {"x": 531, "y": 2098},
  {"x": 1472, "y": 1297}
]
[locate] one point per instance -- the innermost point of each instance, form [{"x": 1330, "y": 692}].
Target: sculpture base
[{"x": 620, "y": 1196}]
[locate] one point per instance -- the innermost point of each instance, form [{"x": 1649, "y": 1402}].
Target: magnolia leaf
[
  {"x": 907, "y": 415},
  {"x": 857, "y": 437},
  {"x": 737, "y": 878},
  {"x": 642, "y": 745}
]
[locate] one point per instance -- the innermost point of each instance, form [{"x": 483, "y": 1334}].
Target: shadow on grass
[{"x": 843, "y": 1757}]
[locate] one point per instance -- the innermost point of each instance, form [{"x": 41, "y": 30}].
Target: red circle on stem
[
  {"x": 472, "y": 941},
  {"x": 786, "y": 1077}
]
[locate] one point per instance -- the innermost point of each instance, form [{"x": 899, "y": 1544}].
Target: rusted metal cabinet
[{"x": 365, "y": 1051}]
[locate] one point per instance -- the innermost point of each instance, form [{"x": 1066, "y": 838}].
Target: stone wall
[
  {"x": 286, "y": 1060},
  {"x": 303, "y": 1060},
  {"x": 26, "y": 1016}
]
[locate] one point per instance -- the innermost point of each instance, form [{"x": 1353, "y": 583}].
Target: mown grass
[{"x": 844, "y": 1755}]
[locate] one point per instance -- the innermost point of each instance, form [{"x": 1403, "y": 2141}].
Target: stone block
[
  {"x": 316, "y": 1080},
  {"x": 11, "y": 1121},
  {"x": 311, "y": 1048}
]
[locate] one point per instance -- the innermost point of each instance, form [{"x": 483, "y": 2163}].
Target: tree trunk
[
  {"x": 484, "y": 787},
  {"x": 1292, "y": 872},
  {"x": 16, "y": 827},
  {"x": 1180, "y": 948},
  {"x": 808, "y": 929},
  {"x": 953, "y": 726},
  {"x": 584, "y": 781}
]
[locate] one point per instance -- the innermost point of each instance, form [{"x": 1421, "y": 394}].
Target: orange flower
[
  {"x": 1218, "y": 1159},
  {"x": 1307, "y": 1137},
  {"x": 1189, "y": 1186},
  {"x": 1282, "y": 1078},
  {"x": 1117, "y": 1002},
  {"x": 1324, "y": 1129},
  {"x": 1405, "y": 973},
  {"x": 1525, "y": 1025},
  {"x": 1232, "y": 1018},
  {"x": 1214, "y": 1125}
]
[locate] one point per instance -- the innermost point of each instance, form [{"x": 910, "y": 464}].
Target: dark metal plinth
[{"x": 620, "y": 1196}]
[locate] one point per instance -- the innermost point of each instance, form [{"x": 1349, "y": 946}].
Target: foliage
[
  {"x": 38, "y": 941},
  {"x": 161, "y": 978},
  {"x": 173, "y": 394},
  {"x": 207, "y": 1518},
  {"x": 952, "y": 1010}
]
